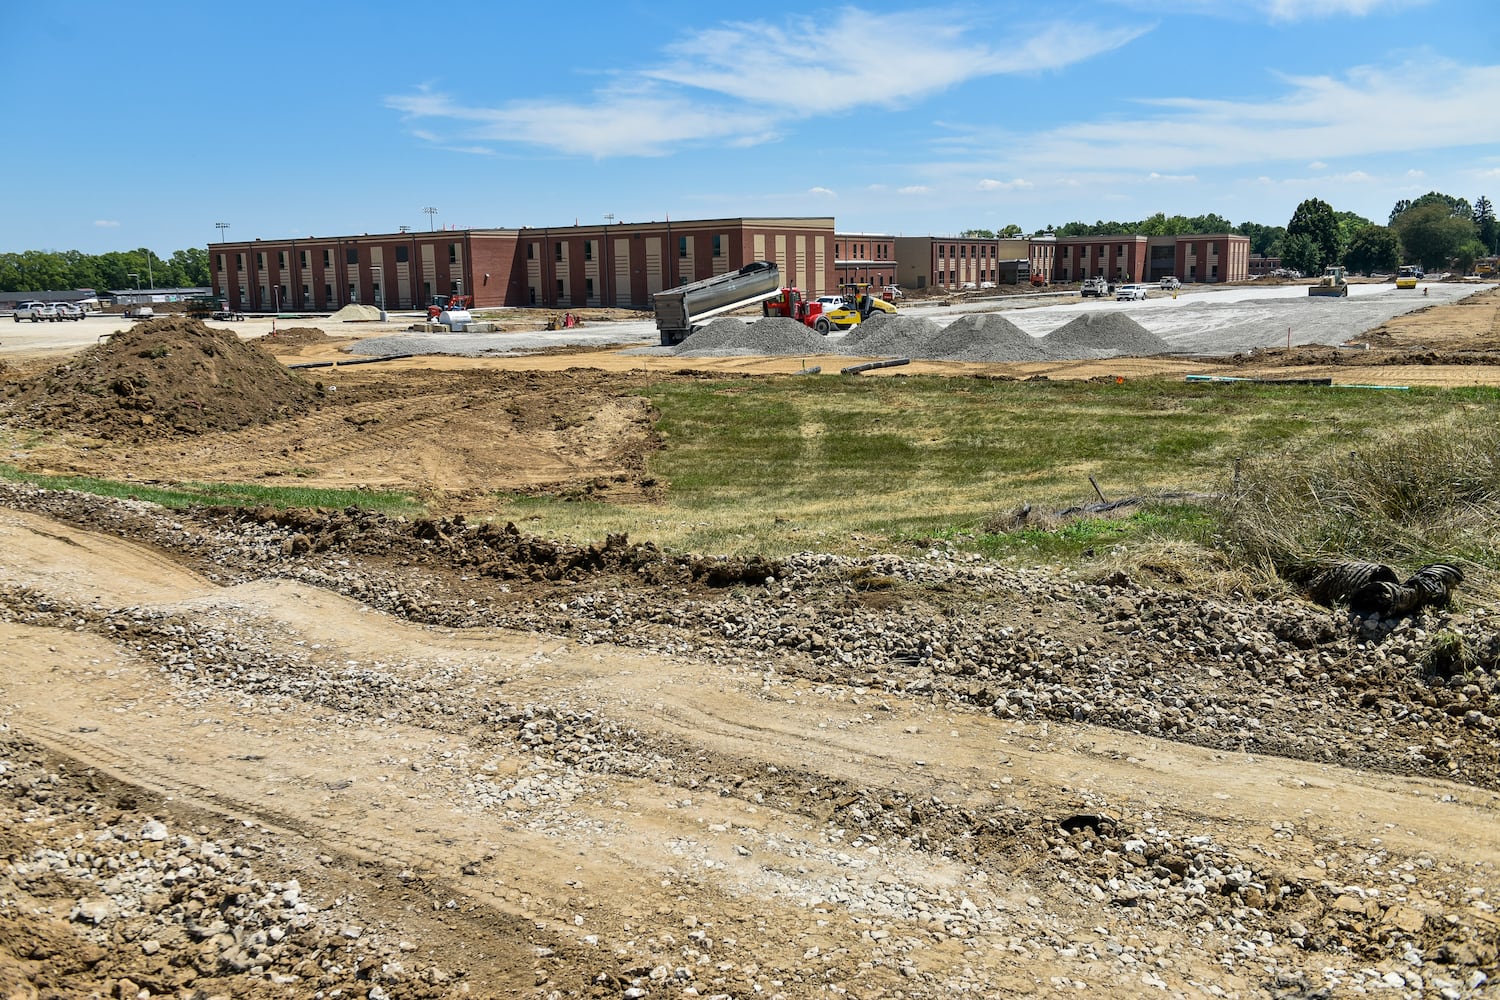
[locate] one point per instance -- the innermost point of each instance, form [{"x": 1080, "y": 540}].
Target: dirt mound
[
  {"x": 1103, "y": 334},
  {"x": 157, "y": 379},
  {"x": 980, "y": 337},
  {"x": 355, "y": 313},
  {"x": 294, "y": 336}
]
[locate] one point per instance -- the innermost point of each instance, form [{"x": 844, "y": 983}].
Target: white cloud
[
  {"x": 1352, "y": 177},
  {"x": 1317, "y": 165},
  {"x": 107, "y": 223},
  {"x": 822, "y": 192},
  {"x": 914, "y": 189},
  {"x": 740, "y": 83},
  {"x": 1302, "y": 10},
  {"x": 1171, "y": 178},
  {"x": 1491, "y": 174},
  {"x": 1423, "y": 104},
  {"x": 1416, "y": 174},
  {"x": 989, "y": 184}
]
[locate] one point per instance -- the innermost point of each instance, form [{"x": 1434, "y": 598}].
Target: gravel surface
[{"x": 1125, "y": 894}]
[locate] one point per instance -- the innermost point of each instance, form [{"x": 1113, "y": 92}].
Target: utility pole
[{"x": 430, "y": 222}]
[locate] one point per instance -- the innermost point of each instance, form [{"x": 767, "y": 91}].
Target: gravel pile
[
  {"x": 1102, "y": 335},
  {"x": 771, "y": 336},
  {"x": 888, "y": 336},
  {"x": 981, "y": 337}
]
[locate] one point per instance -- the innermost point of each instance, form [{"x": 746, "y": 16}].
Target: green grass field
[{"x": 850, "y": 464}]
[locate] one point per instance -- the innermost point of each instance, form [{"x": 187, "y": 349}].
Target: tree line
[
  {"x": 60, "y": 270},
  {"x": 1435, "y": 231}
]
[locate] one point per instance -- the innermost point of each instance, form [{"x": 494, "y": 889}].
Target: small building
[{"x": 1210, "y": 258}]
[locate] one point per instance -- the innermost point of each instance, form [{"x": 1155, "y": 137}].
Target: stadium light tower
[{"x": 430, "y": 213}]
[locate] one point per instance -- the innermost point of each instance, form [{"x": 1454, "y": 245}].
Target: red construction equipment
[{"x": 791, "y": 303}]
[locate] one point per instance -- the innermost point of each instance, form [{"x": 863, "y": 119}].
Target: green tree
[
  {"x": 1397, "y": 209},
  {"x": 1484, "y": 221},
  {"x": 1373, "y": 248},
  {"x": 1264, "y": 240},
  {"x": 978, "y": 234},
  {"x": 1431, "y": 234},
  {"x": 1467, "y": 254},
  {"x": 1301, "y": 252},
  {"x": 1010, "y": 232},
  {"x": 1315, "y": 220},
  {"x": 1349, "y": 224},
  {"x": 191, "y": 267},
  {"x": 1210, "y": 223}
]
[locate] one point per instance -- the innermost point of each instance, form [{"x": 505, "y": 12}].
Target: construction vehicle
[
  {"x": 1097, "y": 287},
  {"x": 857, "y": 308},
  {"x": 681, "y": 310},
  {"x": 1406, "y": 276},
  {"x": 449, "y": 303},
  {"x": 792, "y": 304},
  {"x": 1331, "y": 284}
]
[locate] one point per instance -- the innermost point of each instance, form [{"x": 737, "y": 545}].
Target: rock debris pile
[{"x": 977, "y": 337}]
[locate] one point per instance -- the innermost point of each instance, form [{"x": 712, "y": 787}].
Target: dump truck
[
  {"x": 1332, "y": 283},
  {"x": 681, "y": 310}
]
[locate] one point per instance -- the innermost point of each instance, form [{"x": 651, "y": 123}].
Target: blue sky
[{"x": 145, "y": 124}]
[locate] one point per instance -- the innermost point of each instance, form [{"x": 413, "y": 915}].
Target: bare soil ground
[{"x": 259, "y": 754}]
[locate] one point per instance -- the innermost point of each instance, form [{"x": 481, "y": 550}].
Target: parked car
[
  {"x": 831, "y": 302},
  {"x": 67, "y": 310},
  {"x": 1127, "y": 293},
  {"x": 986, "y": 284},
  {"x": 1169, "y": 283},
  {"x": 37, "y": 312}
]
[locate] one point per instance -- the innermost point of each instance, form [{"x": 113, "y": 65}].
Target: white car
[
  {"x": 1170, "y": 283},
  {"x": 37, "y": 312},
  {"x": 831, "y": 302},
  {"x": 1126, "y": 293},
  {"x": 67, "y": 311}
]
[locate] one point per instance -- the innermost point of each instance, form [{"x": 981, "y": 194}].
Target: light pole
[
  {"x": 430, "y": 213},
  {"x": 604, "y": 262},
  {"x": 221, "y": 226}
]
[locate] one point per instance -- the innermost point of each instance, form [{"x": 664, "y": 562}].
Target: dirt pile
[
  {"x": 1103, "y": 334},
  {"x": 295, "y": 336},
  {"x": 355, "y": 313},
  {"x": 167, "y": 377}
]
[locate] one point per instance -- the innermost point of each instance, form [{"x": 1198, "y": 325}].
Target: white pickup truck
[{"x": 37, "y": 312}]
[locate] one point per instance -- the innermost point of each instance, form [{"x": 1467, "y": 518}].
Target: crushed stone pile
[
  {"x": 980, "y": 337},
  {"x": 1102, "y": 335},
  {"x": 770, "y": 336},
  {"x": 887, "y": 335},
  {"x": 355, "y": 313},
  {"x": 160, "y": 378}
]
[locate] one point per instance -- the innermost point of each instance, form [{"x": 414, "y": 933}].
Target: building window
[
  {"x": 588, "y": 287},
  {"x": 1213, "y": 270},
  {"x": 963, "y": 253},
  {"x": 559, "y": 289},
  {"x": 260, "y": 260},
  {"x": 718, "y": 248},
  {"x": 306, "y": 294},
  {"x": 306, "y": 260},
  {"x": 281, "y": 259},
  {"x": 1213, "y": 248},
  {"x": 351, "y": 255},
  {"x": 588, "y": 249},
  {"x": 531, "y": 292},
  {"x": 327, "y": 293},
  {"x": 682, "y": 246},
  {"x": 401, "y": 256},
  {"x": 453, "y": 253},
  {"x": 353, "y": 293},
  {"x": 557, "y": 251},
  {"x": 327, "y": 258},
  {"x": 239, "y": 262}
]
